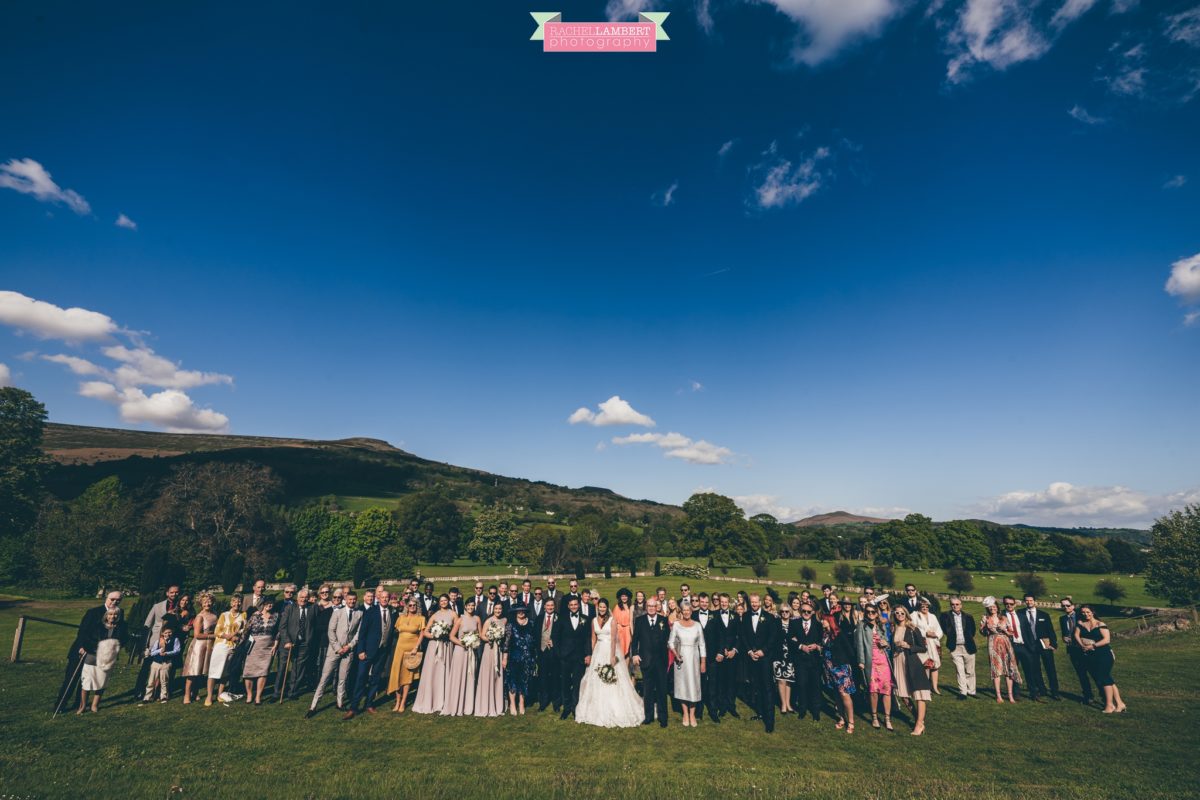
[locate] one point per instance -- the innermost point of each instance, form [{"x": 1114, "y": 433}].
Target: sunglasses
[{"x": 871, "y": 612}]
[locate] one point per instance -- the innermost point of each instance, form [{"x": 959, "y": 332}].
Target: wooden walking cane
[
  {"x": 70, "y": 688},
  {"x": 283, "y": 684}
]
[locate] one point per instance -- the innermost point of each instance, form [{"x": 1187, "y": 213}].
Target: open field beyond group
[{"x": 971, "y": 748}]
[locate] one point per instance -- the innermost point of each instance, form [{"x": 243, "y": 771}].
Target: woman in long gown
[
  {"x": 912, "y": 680},
  {"x": 262, "y": 629},
  {"x": 195, "y": 663},
  {"x": 609, "y": 705},
  {"x": 460, "y": 694},
  {"x": 687, "y": 642},
  {"x": 408, "y": 640},
  {"x": 435, "y": 669},
  {"x": 518, "y": 659},
  {"x": 872, "y": 643},
  {"x": 623, "y": 616},
  {"x": 1002, "y": 659},
  {"x": 230, "y": 626},
  {"x": 102, "y": 645},
  {"x": 489, "y": 690},
  {"x": 927, "y": 623},
  {"x": 782, "y": 666}
]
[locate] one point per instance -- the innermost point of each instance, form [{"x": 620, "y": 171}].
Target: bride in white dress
[{"x": 609, "y": 705}]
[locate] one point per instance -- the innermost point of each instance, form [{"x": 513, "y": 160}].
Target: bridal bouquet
[
  {"x": 471, "y": 640},
  {"x": 493, "y": 634},
  {"x": 439, "y": 630},
  {"x": 606, "y": 673}
]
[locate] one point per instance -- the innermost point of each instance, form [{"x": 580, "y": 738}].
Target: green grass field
[
  {"x": 1080, "y": 586},
  {"x": 972, "y": 749}
]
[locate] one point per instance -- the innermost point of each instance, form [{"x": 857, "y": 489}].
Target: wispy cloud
[
  {"x": 1081, "y": 114},
  {"x": 27, "y": 176},
  {"x": 1184, "y": 27},
  {"x": 666, "y": 197},
  {"x": 125, "y": 222},
  {"x": 724, "y": 149},
  {"x": 1175, "y": 182},
  {"x": 1184, "y": 283},
  {"x": 1066, "y": 504},
  {"x": 993, "y": 33},
  {"x": 613, "y": 411},
  {"x": 676, "y": 445},
  {"x": 779, "y": 181},
  {"x": 825, "y": 28}
]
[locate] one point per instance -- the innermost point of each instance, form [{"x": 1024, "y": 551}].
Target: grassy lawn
[{"x": 974, "y": 748}]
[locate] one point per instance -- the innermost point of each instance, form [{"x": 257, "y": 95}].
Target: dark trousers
[
  {"x": 1031, "y": 666},
  {"x": 708, "y": 689},
  {"x": 1047, "y": 658},
  {"x": 726, "y": 684},
  {"x": 806, "y": 693},
  {"x": 654, "y": 691},
  {"x": 366, "y": 680},
  {"x": 300, "y": 671},
  {"x": 762, "y": 682},
  {"x": 1079, "y": 664},
  {"x": 570, "y": 673},
  {"x": 548, "y": 689}
]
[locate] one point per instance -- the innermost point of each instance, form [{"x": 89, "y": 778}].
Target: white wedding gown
[{"x": 609, "y": 705}]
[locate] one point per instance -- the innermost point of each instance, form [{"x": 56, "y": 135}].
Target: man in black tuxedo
[
  {"x": 760, "y": 639},
  {"x": 573, "y": 591},
  {"x": 548, "y": 688},
  {"x": 479, "y": 596},
  {"x": 297, "y": 636},
  {"x": 727, "y": 646},
  {"x": 538, "y": 606},
  {"x": 91, "y": 618},
  {"x": 571, "y": 641},
  {"x": 429, "y": 601},
  {"x": 1036, "y": 626},
  {"x": 911, "y": 601},
  {"x": 649, "y": 650},
  {"x": 552, "y": 591},
  {"x": 959, "y": 629},
  {"x": 708, "y": 683},
  {"x": 805, "y": 633},
  {"x": 484, "y": 609},
  {"x": 525, "y": 596},
  {"x": 456, "y": 601},
  {"x": 828, "y": 602},
  {"x": 1068, "y": 622}
]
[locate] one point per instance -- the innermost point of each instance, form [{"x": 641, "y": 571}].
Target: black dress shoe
[
  {"x": 647, "y": 722},
  {"x": 733, "y": 713},
  {"x": 564, "y": 714},
  {"x": 714, "y": 717},
  {"x": 662, "y": 723}
]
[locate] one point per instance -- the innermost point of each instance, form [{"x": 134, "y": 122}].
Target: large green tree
[
  {"x": 962, "y": 544},
  {"x": 772, "y": 531},
  {"x": 88, "y": 543},
  {"x": 910, "y": 542},
  {"x": 494, "y": 540},
  {"x": 714, "y": 526},
  {"x": 431, "y": 526},
  {"x": 22, "y": 463},
  {"x": 1173, "y": 567}
]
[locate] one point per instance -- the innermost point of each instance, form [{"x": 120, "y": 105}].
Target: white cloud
[
  {"x": 48, "y": 321},
  {"x": 697, "y": 386},
  {"x": 993, "y": 33},
  {"x": 613, "y": 411},
  {"x": 724, "y": 149},
  {"x": 1070, "y": 11},
  {"x": 1081, "y": 114},
  {"x": 676, "y": 445},
  {"x": 1185, "y": 279},
  {"x": 125, "y": 222},
  {"x": 778, "y": 182},
  {"x": 1185, "y": 27},
  {"x": 5, "y": 376},
  {"x": 1175, "y": 182},
  {"x": 141, "y": 366},
  {"x": 666, "y": 197},
  {"x": 27, "y": 176},
  {"x": 170, "y": 409},
  {"x": 1191, "y": 318},
  {"x": 80, "y": 366},
  {"x": 826, "y": 27},
  {"x": 1068, "y": 505}
]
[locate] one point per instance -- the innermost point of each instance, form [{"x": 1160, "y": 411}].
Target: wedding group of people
[{"x": 508, "y": 648}]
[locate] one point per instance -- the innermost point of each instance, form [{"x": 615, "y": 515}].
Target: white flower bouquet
[
  {"x": 439, "y": 630},
  {"x": 606, "y": 673},
  {"x": 493, "y": 634},
  {"x": 471, "y": 640}
]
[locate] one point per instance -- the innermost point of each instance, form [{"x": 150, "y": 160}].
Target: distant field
[{"x": 976, "y": 749}]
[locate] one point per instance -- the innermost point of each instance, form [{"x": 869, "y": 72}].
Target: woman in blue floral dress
[
  {"x": 839, "y": 662},
  {"x": 519, "y": 660}
]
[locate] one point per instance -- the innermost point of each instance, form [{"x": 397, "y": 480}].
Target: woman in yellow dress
[{"x": 408, "y": 637}]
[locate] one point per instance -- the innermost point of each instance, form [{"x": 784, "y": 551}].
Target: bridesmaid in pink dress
[
  {"x": 435, "y": 669},
  {"x": 460, "y": 696},
  {"x": 489, "y": 692}
]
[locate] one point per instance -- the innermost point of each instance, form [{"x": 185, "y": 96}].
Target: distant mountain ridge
[{"x": 837, "y": 518}]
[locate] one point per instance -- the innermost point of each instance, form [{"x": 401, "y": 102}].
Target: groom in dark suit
[
  {"x": 572, "y": 643},
  {"x": 760, "y": 640},
  {"x": 649, "y": 650}
]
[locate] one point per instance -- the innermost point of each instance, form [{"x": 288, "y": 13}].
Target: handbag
[{"x": 412, "y": 661}]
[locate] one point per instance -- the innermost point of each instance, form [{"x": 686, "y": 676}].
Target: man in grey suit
[
  {"x": 342, "y": 636},
  {"x": 297, "y": 632}
]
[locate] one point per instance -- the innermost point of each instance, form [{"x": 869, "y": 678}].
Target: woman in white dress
[
  {"x": 614, "y": 704},
  {"x": 687, "y": 642},
  {"x": 927, "y": 623}
]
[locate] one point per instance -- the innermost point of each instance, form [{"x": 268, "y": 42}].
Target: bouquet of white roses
[
  {"x": 493, "y": 634},
  {"x": 471, "y": 640},
  {"x": 439, "y": 630},
  {"x": 606, "y": 673}
]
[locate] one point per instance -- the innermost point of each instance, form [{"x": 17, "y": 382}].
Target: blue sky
[{"x": 874, "y": 255}]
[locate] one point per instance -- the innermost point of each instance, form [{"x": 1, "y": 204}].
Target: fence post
[{"x": 18, "y": 637}]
